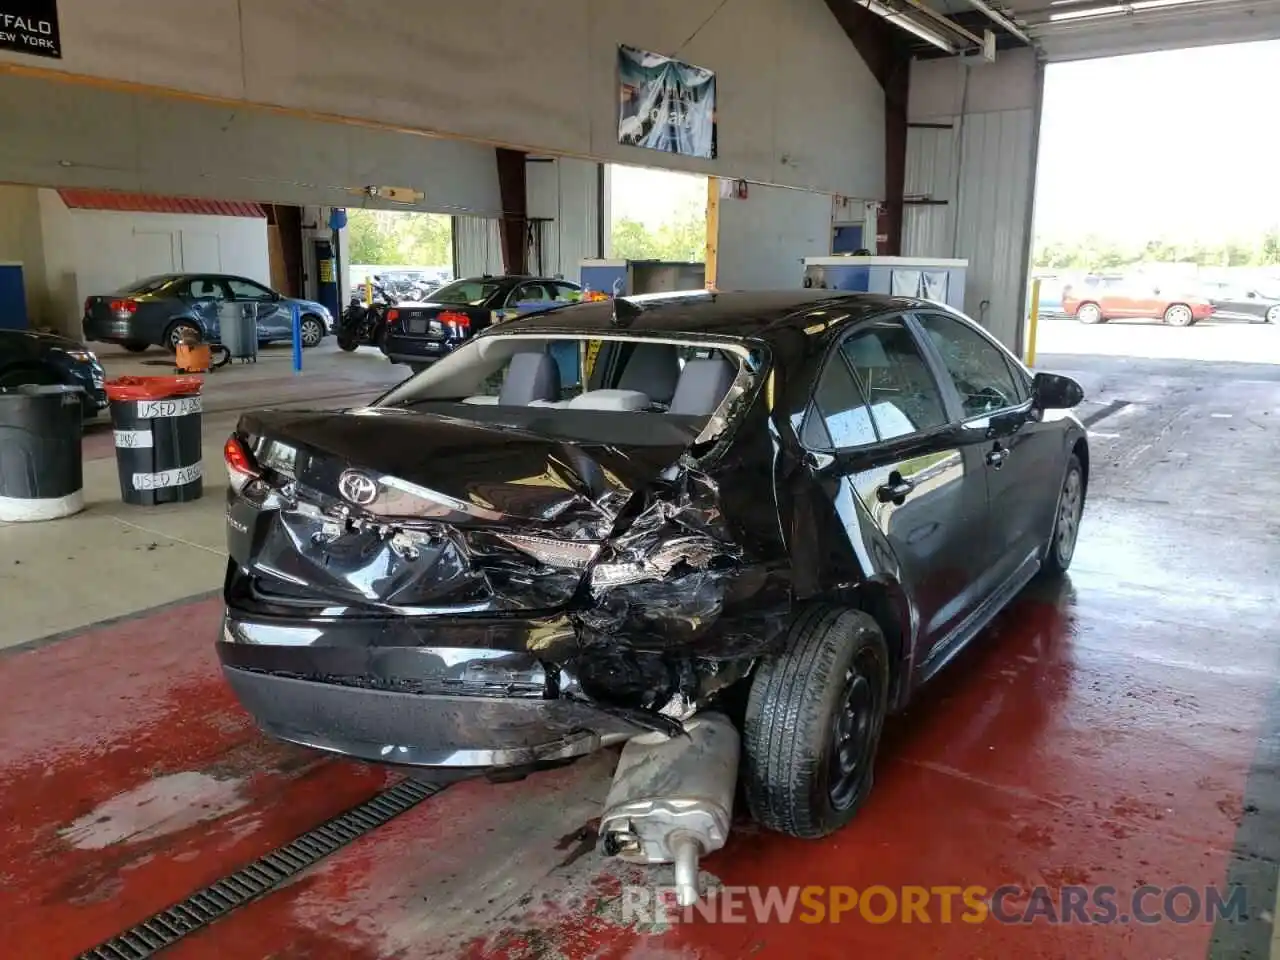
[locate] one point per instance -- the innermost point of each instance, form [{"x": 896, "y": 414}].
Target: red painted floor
[
  {"x": 131, "y": 778},
  {"x": 1045, "y": 758}
]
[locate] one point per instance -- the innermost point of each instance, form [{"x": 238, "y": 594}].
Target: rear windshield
[
  {"x": 643, "y": 389},
  {"x": 147, "y": 285},
  {"x": 471, "y": 292}
]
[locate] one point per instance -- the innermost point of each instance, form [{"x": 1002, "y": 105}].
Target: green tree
[
  {"x": 393, "y": 237},
  {"x": 684, "y": 237}
]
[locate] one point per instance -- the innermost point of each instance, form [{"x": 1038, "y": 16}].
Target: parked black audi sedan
[
  {"x": 603, "y": 519},
  {"x": 46, "y": 359},
  {"x": 419, "y": 334}
]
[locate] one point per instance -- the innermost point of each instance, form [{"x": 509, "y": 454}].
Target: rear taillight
[
  {"x": 240, "y": 466},
  {"x": 88, "y": 305},
  {"x": 124, "y": 308},
  {"x": 458, "y": 323},
  {"x": 393, "y": 316}
]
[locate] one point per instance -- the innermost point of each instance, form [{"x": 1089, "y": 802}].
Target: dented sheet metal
[{"x": 380, "y": 546}]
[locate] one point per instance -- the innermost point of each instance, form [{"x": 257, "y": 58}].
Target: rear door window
[{"x": 876, "y": 386}]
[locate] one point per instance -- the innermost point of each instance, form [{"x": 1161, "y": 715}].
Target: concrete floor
[
  {"x": 115, "y": 559},
  {"x": 1120, "y": 728}
]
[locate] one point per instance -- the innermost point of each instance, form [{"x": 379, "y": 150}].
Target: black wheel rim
[{"x": 855, "y": 729}]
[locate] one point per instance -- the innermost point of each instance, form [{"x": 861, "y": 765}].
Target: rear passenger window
[{"x": 875, "y": 387}]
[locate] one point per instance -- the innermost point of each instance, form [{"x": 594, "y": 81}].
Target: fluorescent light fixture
[
  {"x": 1118, "y": 9},
  {"x": 900, "y": 19}
]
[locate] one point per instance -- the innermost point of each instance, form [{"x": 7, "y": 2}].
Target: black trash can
[
  {"x": 41, "y": 468},
  {"x": 157, "y": 423}
]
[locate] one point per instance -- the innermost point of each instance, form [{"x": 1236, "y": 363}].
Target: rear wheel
[
  {"x": 347, "y": 343},
  {"x": 813, "y": 722},
  {"x": 1089, "y": 313},
  {"x": 180, "y": 331},
  {"x": 1066, "y": 526},
  {"x": 1179, "y": 315},
  {"x": 135, "y": 346},
  {"x": 1273, "y": 314}
]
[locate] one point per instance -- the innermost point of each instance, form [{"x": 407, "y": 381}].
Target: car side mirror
[
  {"x": 1052, "y": 391},
  {"x": 1253, "y": 294}
]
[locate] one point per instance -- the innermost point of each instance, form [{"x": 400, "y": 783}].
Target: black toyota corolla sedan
[{"x": 602, "y": 520}]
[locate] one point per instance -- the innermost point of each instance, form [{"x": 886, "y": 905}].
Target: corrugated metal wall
[
  {"x": 974, "y": 146},
  {"x": 477, "y": 246}
]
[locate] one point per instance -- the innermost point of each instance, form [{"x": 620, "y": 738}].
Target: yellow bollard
[
  {"x": 368, "y": 291},
  {"x": 1033, "y": 322}
]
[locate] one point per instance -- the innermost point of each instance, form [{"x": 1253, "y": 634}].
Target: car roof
[
  {"x": 513, "y": 278},
  {"x": 739, "y": 314}
]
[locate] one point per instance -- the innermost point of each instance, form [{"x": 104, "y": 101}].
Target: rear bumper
[
  {"x": 408, "y": 350},
  {"x": 429, "y": 706},
  {"x": 110, "y": 331}
]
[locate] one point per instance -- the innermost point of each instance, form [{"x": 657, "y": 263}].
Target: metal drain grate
[{"x": 263, "y": 875}]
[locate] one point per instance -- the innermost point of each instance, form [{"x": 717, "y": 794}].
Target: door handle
[
  {"x": 896, "y": 490},
  {"x": 997, "y": 456}
]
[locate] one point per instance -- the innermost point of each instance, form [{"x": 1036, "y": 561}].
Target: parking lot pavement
[{"x": 1210, "y": 340}]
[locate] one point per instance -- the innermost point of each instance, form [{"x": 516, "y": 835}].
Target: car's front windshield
[
  {"x": 613, "y": 388},
  {"x": 470, "y": 292}
]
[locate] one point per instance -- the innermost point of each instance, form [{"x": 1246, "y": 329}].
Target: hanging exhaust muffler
[{"x": 672, "y": 799}]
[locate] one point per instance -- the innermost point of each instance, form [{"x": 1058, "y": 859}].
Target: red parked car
[{"x": 1120, "y": 298}]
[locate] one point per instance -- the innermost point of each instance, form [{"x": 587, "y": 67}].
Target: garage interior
[{"x": 1118, "y": 729}]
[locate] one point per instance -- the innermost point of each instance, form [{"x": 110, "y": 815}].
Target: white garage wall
[
  {"x": 21, "y": 242},
  {"x": 69, "y": 135},
  {"x": 764, "y": 239},
  {"x": 980, "y": 159},
  {"x": 99, "y": 251},
  {"x": 797, "y": 105}
]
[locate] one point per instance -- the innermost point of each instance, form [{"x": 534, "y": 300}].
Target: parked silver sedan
[{"x": 1239, "y": 302}]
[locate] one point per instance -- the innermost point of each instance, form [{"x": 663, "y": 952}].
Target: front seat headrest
[
  {"x": 653, "y": 369},
  {"x": 703, "y": 384},
  {"x": 530, "y": 377}
]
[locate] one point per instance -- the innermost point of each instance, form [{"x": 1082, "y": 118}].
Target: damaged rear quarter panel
[{"x": 717, "y": 584}]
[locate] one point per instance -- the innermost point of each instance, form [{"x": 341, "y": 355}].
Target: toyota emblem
[{"x": 359, "y": 488}]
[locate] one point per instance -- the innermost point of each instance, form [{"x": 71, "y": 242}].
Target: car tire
[
  {"x": 812, "y": 723},
  {"x": 417, "y": 368},
  {"x": 1066, "y": 521},
  {"x": 347, "y": 343},
  {"x": 135, "y": 346},
  {"x": 1179, "y": 315},
  {"x": 1089, "y": 313},
  {"x": 312, "y": 329},
  {"x": 1273, "y": 314},
  {"x": 177, "y": 332}
]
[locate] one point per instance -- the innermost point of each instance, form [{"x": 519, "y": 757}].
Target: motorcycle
[{"x": 364, "y": 323}]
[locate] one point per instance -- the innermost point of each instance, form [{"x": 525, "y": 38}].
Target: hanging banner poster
[
  {"x": 30, "y": 26},
  {"x": 666, "y": 105}
]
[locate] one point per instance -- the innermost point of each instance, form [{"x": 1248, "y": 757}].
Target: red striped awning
[{"x": 148, "y": 203}]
